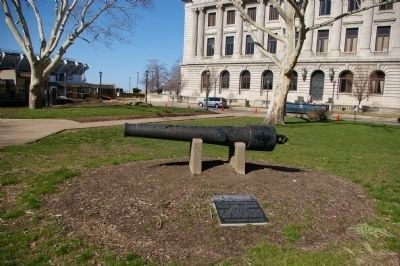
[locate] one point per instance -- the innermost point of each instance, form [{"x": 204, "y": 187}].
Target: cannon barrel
[{"x": 263, "y": 138}]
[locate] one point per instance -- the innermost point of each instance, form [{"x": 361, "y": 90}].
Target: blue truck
[{"x": 304, "y": 108}]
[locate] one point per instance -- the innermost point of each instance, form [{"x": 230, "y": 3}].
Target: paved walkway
[{"x": 21, "y": 131}]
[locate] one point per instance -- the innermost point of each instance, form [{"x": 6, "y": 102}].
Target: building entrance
[{"x": 317, "y": 85}]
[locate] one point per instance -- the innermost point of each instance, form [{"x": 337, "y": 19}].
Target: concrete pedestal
[
  {"x": 237, "y": 157},
  {"x": 196, "y": 160}
]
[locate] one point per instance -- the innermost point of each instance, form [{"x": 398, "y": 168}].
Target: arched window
[
  {"x": 376, "y": 82},
  {"x": 205, "y": 81},
  {"x": 225, "y": 76},
  {"x": 293, "y": 82},
  {"x": 267, "y": 80},
  {"x": 346, "y": 81},
  {"x": 245, "y": 80}
]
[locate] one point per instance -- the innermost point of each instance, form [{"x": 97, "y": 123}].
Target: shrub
[{"x": 318, "y": 115}]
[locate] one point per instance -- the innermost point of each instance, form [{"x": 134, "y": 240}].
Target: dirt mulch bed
[{"x": 162, "y": 212}]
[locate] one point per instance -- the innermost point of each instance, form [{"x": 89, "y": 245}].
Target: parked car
[
  {"x": 216, "y": 102},
  {"x": 304, "y": 108},
  {"x": 64, "y": 100}
]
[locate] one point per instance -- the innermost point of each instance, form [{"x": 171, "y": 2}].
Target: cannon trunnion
[{"x": 262, "y": 138}]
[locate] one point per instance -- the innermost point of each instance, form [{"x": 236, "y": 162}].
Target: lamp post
[
  {"x": 332, "y": 76},
  {"x": 266, "y": 104},
  {"x": 100, "y": 74},
  {"x": 147, "y": 78},
  {"x": 304, "y": 73},
  {"x": 215, "y": 87},
  {"x": 331, "y": 73},
  {"x": 137, "y": 80}
]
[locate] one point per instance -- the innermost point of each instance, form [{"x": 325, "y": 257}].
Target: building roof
[{"x": 16, "y": 60}]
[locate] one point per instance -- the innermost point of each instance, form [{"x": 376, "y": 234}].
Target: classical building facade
[{"x": 333, "y": 62}]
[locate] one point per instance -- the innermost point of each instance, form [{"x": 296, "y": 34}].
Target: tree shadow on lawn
[{"x": 250, "y": 166}]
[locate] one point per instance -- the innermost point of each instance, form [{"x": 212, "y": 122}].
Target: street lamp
[
  {"x": 266, "y": 104},
  {"x": 137, "y": 80},
  {"x": 331, "y": 73},
  {"x": 100, "y": 74},
  {"x": 304, "y": 73},
  {"x": 147, "y": 78}
]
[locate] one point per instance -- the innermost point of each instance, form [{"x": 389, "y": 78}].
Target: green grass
[
  {"x": 68, "y": 112},
  {"x": 292, "y": 232},
  {"x": 365, "y": 154},
  {"x": 267, "y": 254}
]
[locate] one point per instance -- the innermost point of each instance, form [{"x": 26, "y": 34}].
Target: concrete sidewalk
[{"x": 21, "y": 131}]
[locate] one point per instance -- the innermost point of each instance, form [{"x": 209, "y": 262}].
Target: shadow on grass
[{"x": 250, "y": 167}]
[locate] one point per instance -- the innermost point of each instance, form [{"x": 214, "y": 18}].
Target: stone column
[
  {"x": 260, "y": 20},
  {"x": 396, "y": 30},
  {"x": 220, "y": 32},
  {"x": 309, "y": 20},
  {"x": 195, "y": 18},
  {"x": 336, "y": 29},
  {"x": 239, "y": 35},
  {"x": 200, "y": 33},
  {"x": 364, "y": 41}
]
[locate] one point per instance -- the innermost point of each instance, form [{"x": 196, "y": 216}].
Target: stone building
[
  {"x": 67, "y": 81},
  {"x": 334, "y": 58}
]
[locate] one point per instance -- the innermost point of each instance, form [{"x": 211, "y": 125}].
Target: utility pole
[
  {"x": 137, "y": 80},
  {"x": 147, "y": 77},
  {"x": 129, "y": 88},
  {"x": 100, "y": 74}
]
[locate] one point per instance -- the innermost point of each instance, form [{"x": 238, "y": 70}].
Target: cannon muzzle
[{"x": 262, "y": 138}]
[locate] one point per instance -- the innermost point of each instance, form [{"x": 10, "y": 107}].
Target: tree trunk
[
  {"x": 36, "y": 89},
  {"x": 275, "y": 113}
]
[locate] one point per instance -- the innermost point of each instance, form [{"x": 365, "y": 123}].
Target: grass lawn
[
  {"x": 89, "y": 113},
  {"x": 365, "y": 154}
]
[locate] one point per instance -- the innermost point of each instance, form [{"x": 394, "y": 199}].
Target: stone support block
[
  {"x": 237, "y": 157},
  {"x": 196, "y": 150}
]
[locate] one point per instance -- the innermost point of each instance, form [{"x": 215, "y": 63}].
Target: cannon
[{"x": 260, "y": 138}]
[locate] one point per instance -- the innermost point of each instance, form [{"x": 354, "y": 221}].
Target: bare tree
[
  {"x": 293, "y": 13},
  {"x": 72, "y": 19},
  {"x": 361, "y": 83},
  {"x": 209, "y": 82},
  {"x": 157, "y": 75},
  {"x": 175, "y": 80}
]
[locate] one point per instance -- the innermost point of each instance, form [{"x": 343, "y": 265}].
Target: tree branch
[
  {"x": 39, "y": 25},
  {"x": 27, "y": 42},
  {"x": 256, "y": 42},
  {"x": 247, "y": 18}
]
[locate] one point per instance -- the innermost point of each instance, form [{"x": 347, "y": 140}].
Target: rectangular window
[
  {"x": 211, "y": 19},
  {"x": 271, "y": 46},
  {"x": 210, "y": 46},
  {"x": 322, "y": 41},
  {"x": 350, "y": 44},
  {"x": 249, "y": 45},
  {"x": 273, "y": 13},
  {"x": 296, "y": 37},
  {"x": 252, "y": 12},
  {"x": 386, "y": 6},
  {"x": 229, "y": 45},
  {"x": 353, "y": 5},
  {"x": 230, "y": 17},
  {"x": 382, "y": 38},
  {"x": 324, "y": 7}
]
